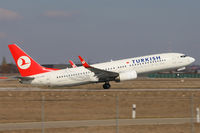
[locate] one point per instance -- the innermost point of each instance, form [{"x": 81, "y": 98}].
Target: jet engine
[{"x": 128, "y": 75}]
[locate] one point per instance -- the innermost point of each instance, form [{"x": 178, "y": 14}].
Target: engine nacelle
[{"x": 129, "y": 75}]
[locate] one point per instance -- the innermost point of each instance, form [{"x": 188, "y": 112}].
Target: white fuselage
[{"x": 144, "y": 64}]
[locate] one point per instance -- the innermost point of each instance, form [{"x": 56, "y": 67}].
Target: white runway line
[{"x": 92, "y": 123}]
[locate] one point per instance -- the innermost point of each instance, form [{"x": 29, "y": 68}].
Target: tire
[{"x": 106, "y": 86}]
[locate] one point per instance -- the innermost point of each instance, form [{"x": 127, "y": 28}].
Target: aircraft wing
[{"x": 103, "y": 75}]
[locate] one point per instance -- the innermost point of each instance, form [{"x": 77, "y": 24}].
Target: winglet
[
  {"x": 72, "y": 64},
  {"x": 84, "y": 63}
]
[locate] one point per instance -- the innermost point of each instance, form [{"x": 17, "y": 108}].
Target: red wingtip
[
  {"x": 72, "y": 64},
  {"x": 84, "y": 63}
]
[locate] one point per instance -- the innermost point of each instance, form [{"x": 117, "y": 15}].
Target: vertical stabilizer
[{"x": 26, "y": 65}]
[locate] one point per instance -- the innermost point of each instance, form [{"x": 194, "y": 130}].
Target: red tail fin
[{"x": 26, "y": 65}]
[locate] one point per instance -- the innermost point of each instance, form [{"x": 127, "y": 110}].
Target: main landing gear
[{"x": 106, "y": 85}]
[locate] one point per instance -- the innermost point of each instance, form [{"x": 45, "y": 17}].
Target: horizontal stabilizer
[{"x": 25, "y": 78}]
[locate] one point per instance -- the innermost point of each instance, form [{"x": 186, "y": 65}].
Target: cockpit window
[{"x": 183, "y": 56}]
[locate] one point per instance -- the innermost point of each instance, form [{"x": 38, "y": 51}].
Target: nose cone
[{"x": 192, "y": 59}]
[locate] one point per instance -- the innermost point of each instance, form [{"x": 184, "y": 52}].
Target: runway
[
  {"x": 92, "y": 123},
  {"x": 95, "y": 90}
]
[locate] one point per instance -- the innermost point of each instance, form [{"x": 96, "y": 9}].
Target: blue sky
[{"x": 55, "y": 31}]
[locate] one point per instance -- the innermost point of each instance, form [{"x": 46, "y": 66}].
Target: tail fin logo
[{"x": 24, "y": 62}]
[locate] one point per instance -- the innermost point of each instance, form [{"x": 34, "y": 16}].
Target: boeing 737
[{"x": 119, "y": 70}]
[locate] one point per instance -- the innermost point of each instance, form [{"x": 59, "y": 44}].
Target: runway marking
[{"x": 93, "y": 123}]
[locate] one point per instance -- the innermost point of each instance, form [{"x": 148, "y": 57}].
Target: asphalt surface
[
  {"x": 92, "y": 123},
  {"x": 93, "y": 90}
]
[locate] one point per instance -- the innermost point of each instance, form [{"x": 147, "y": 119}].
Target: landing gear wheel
[{"x": 106, "y": 86}]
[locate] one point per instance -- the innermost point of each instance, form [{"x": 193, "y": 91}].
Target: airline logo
[
  {"x": 147, "y": 59},
  {"x": 24, "y": 62}
]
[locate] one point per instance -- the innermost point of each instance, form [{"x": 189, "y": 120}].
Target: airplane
[
  {"x": 119, "y": 70},
  {"x": 72, "y": 64}
]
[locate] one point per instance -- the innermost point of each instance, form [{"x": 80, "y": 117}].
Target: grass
[{"x": 25, "y": 106}]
